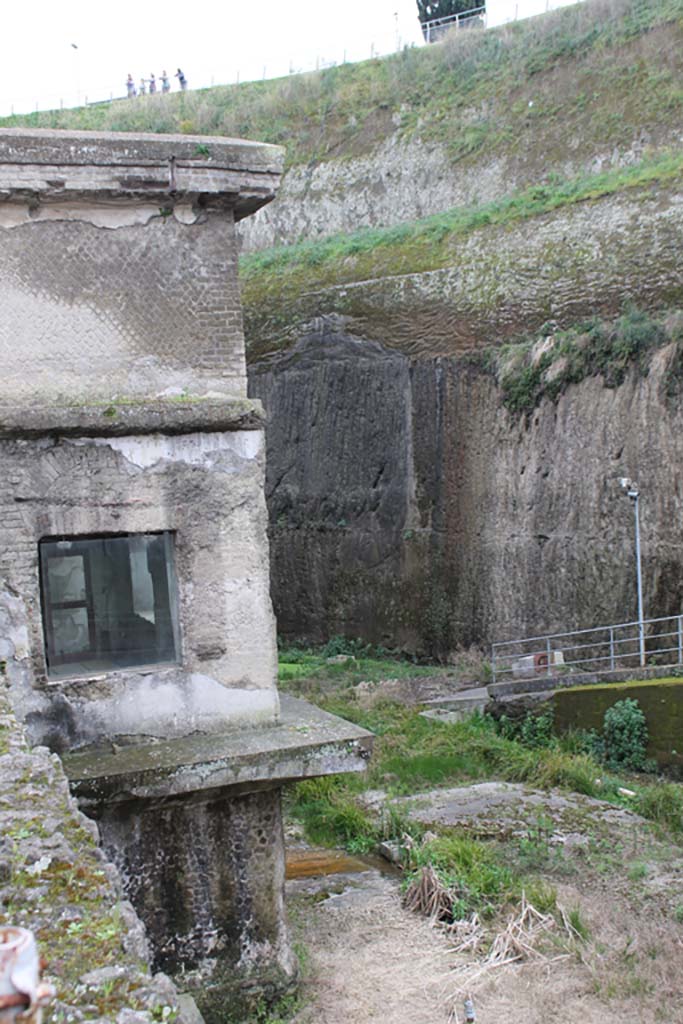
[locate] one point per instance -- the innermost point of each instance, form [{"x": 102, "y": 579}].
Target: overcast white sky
[{"x": 212, "y": 42}]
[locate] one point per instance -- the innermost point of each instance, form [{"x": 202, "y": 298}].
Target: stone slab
[
  {"x": 55, "y": 164},
  {"x": 504, "y": 808},
  {"x": 120, "y": 417},
  {"x": 306, "y": 742},
  {"x": 456, "y": 706}
]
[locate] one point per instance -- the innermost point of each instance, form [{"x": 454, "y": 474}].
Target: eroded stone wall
[
  {"x": 500, "y": 282},
  {"x": 55, "y": 881},
  {"x": 121, "y": 308},
  {"x": 207, "y": 875}
]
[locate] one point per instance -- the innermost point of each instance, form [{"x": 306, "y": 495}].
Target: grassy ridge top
[{"x": 602, "y": 69}]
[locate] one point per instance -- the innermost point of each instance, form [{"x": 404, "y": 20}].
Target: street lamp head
[{"x": 630, "y": 487}]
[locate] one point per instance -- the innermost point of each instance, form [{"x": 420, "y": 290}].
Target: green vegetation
[
  {"x": 469, "y": 92},
  {"x": 625, "y": 736},
  {"x": 591, "y": 348},
  {"x": 359, "y": 662},
  {"x": 413, "y": 754},
  {"x": 584, "y": 711},
  {"x": 471, "y": 871},
  {"x": 426, "y": 244},
  {"x": 463, "y": 873},
  {"x": 276, "y": 278}
]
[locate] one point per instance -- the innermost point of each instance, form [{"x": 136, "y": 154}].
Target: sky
[{"x": 54, "y": 54}]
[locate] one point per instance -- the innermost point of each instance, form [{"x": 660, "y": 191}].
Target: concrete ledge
[
  {"x": 305, "y": 743},
  {"x": 58, "y": 164},
  {"x": 122, "y": 417}
]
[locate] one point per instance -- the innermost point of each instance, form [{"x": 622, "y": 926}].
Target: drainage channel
[{"x": 309, "y": 862}]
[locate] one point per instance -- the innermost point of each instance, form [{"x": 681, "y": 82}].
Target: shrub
[
  {"x": 625, "y": 736},
  {"x": 534, "y": 729}
]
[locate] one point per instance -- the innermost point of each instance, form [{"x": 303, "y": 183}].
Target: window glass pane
[
  {"x": 108, "y": 603},
  {"x": 71, "y": 630},
  {"x": 67, "y": 578}
]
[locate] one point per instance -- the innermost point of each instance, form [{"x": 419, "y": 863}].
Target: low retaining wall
[
  {"x": 55, "y": 881},
  {"x": 661, "y": 700}
]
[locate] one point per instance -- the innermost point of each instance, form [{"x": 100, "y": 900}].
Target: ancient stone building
[{"x": 135, "y": 618}]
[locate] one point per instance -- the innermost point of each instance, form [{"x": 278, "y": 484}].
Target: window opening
[{"x": 108, "y": 602}]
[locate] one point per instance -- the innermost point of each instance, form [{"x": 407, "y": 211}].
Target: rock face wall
[
  {"x": 500, "y": 282},
  {"x": 407, "y": 505}
]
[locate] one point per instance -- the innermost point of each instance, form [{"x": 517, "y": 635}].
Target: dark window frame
[{"x": 80, "y": 544}]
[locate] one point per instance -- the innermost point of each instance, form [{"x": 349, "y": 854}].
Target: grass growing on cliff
[
  {"x": 272, "y": 278},
  {"x": 528, "y": 374}
]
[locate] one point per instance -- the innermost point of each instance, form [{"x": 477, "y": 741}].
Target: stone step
[
  {"x": 536, "y": 684},
  {"x": 461, "y": 700},
  {"x": 532, "y": 697}
]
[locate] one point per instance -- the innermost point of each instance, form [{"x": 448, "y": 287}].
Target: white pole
[{"x": 639, "y": 572}]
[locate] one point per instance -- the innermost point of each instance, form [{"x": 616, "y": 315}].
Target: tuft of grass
[
  {"x": 472, "y": 871},
  {"x": 591, "y": 348},
  {"x": 578, "y": 924},
  {"x": 331, "y": 815},
  {"x": 662, "y": 802}
]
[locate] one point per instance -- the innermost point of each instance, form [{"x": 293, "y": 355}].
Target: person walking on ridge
[
  {"x": 181, "y": 79},
  {"x": 130, "y": 88},
  {"x": 152, "y": 84},
  {"x": 165, "y": 84}
]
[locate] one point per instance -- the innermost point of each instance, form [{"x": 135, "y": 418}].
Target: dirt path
[{"x": 371, "y": 960}]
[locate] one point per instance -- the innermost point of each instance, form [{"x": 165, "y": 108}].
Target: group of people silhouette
[{"x": 152, "y": 85}]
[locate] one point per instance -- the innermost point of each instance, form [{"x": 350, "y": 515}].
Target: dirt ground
[{"x": 368, "y": 959}]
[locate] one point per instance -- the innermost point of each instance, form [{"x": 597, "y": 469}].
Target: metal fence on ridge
[
  {"x": 438, "y": 27},
  {"x": 598, "y": 650}
]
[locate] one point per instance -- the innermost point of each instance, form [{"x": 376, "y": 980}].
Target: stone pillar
[{"x": 205, "y": 871}]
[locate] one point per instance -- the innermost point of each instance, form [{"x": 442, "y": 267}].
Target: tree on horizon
[{"x": 430, "y": 10}]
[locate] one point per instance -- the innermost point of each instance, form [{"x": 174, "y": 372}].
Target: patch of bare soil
[{"x": 371, "y": 959}]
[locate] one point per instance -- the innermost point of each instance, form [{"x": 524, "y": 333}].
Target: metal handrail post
[
  {"x": 493, "y": 663},
  {"x": 611, "y": 648},
  {"x": 547, "y": 654},
  {"x": 680, "y": 639}
]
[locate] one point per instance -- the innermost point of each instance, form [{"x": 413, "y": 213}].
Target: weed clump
[
  {"x": 470, "y": 871},
  {"x": 590, "y": 349},
  {"x": 663, "y": 803}
]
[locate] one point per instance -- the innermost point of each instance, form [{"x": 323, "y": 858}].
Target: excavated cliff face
[
  {"x": 405, "y": 179},
  {"x": 407, "y": 505},
  {"x": 501, "y": 281}
]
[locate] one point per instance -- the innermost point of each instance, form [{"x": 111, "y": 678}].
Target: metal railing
[
  {"x": 600, "y": 649},
  {"x": 437, "y": 28}
]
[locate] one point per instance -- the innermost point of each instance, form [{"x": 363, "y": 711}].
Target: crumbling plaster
[{"x": 208, "y": 489}]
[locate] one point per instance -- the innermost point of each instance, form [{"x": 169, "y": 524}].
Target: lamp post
[
  {"x": 631, "y": 490},
  {"x": 77, "y": 70}
]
